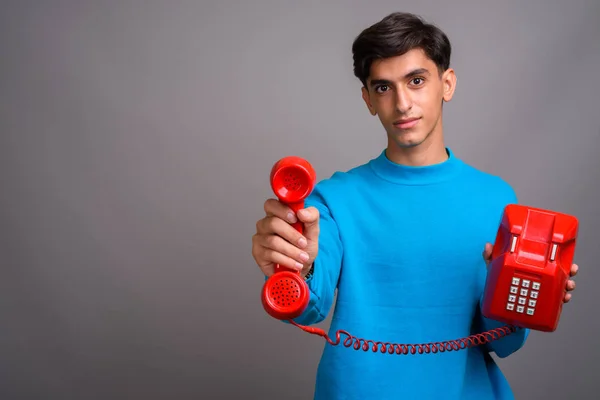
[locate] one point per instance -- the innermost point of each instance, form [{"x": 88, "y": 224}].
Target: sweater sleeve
[
  {"x": 327, "y": 264},
  {"x": 505, "y": 346},
  {"x": 509, "y": 344}
]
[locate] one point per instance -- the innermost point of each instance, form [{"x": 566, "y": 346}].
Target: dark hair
[{"x": 395, "y": 35}]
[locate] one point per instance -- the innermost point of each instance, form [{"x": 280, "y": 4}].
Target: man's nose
[{"x": 403, "y": 101}]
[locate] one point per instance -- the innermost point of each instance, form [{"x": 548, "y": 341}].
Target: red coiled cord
[{"x": 433, "y": 347}]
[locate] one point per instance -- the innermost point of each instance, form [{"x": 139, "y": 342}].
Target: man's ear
[
  {"x": 449, "y": 84},
  {"x": 367, "y": 99}
]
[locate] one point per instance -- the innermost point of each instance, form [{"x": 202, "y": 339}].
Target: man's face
[{"x": 407, "y": 92}]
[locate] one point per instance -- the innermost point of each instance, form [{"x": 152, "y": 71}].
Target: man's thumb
[
  {"x": 487, "y": 251},
  {"x": 310, "y": 219}
]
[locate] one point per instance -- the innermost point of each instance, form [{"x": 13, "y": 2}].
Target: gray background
[{"x": 136, "y": 142}]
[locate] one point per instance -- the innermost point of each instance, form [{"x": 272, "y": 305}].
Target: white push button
[
  {"x": 535, "y": 286},
  {"x": 510, "y": 306},
  {"x": 524, "y": 292},
  {"x": 515, "y": 281},
  {"x": 512, "y": 298},
  {"x": 530, "y": 311},
  {"x": 514, "y": 289},
  {"x": 522, "y": 300},
  {"x": 525, "y": 283},
  {"x": 520, "y": 309},
  {"x": 532, "y": 303},
  {"x": 534, "y": 295}
]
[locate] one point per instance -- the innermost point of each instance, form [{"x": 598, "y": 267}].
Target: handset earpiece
[{"x": 285, "y": 294}]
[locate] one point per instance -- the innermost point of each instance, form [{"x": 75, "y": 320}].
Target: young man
[{"x": 404, "y": 238}]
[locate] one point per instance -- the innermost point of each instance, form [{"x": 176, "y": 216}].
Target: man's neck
[{"x": 427, "y": 153}]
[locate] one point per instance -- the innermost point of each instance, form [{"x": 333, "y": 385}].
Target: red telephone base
[{"x": 531, "y": 264}]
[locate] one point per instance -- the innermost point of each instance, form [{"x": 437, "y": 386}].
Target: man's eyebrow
[
  {"x": 418, "y": 71},
  {"x": 380, "y": 82}
]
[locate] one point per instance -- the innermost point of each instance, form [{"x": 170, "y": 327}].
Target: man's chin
[{"x": 407, "y": 142}]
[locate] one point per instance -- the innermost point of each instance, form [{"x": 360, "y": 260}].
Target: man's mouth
[{"x": 406, "y": 123}]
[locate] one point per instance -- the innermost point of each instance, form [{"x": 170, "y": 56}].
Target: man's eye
[
  {"x": 418, "y": 81},
  {"x": 381, "y": 88}
]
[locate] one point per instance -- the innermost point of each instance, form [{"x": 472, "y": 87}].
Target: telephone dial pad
[{"x": 523, "y": 295}]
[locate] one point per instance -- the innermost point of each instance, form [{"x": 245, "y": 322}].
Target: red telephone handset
[
  {"x": 531, "y": 259},
  {"x": 531, "y": 263},
  {"x": 285, "y": 294}
]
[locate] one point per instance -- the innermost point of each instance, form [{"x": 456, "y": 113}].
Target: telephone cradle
[{"x": 525, "y": 286}]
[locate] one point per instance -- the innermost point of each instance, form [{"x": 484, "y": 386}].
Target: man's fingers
[
  {"x": 574, "y": 269},
  {"x": 310, "y": 218},
  {"x": 567, "y": 297},
  {"x": 275, "y": 208},
  {"x": 276, "y": 226},
  {"x": 281, "y": 259},
  {"x": 487, "y": 251},
  {"x": 308, "y": 215},
  {"x": 277, "y": 241},
  {"x": 283, "y": 247},
  {"x": 570, "y": 285}
]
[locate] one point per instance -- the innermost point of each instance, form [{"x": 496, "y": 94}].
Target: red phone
[
  {"x": 531, "y": 263},
  {"x": 285, "y": 294}
]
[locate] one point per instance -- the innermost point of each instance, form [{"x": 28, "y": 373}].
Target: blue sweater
[{"x": 403, "y": 247}]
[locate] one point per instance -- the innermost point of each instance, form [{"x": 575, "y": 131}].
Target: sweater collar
[{"x": 420, "y": 175}]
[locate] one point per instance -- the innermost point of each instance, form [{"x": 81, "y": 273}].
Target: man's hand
[
  {"x": 276, "y": 241},
  {"x": 571, "y": 283},
  {"x": 487, "y": 256}
]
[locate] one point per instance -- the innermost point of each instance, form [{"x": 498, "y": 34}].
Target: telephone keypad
[
  {"x": 524, "y": 292},
  {"x": 532, "y": 303}
]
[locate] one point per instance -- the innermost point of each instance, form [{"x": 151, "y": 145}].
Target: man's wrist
[{"x": 309, "y": 274}]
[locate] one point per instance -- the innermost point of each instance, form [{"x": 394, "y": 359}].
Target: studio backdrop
[{"x": 136, "y": 139}]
